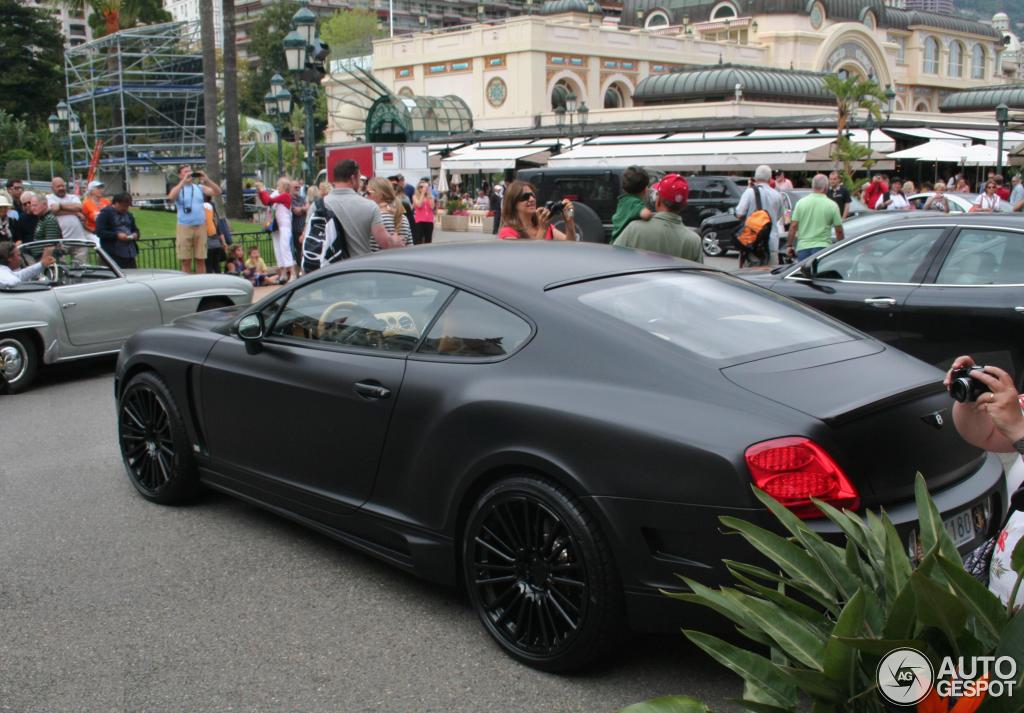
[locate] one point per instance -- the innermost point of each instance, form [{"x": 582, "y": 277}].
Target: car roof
[
  {"x": 509, "y": 268},
  {"x": 995, "y": 220}
]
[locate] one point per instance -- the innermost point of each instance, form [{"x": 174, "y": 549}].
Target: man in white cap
[{"x": 94, "y": 202}]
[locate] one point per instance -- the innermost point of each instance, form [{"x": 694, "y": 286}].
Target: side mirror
[
  {"x": 251, "y": 331},
  {"x": 809, "y": 269}
]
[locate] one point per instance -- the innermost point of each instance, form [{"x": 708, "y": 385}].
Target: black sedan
[
  {"x": 935, "y": 286},
  {"x": 555, "y": 427}
]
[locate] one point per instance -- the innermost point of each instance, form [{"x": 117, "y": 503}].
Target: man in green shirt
[
  {"x": 665, "y": 232},
  {"x": 814, "y": 217},
  {"x": 47, "y": 228},
  {"x": 631, "y": 204}
]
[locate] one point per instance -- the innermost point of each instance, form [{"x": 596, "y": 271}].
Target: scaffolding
[{"x": 139, "y": 94}]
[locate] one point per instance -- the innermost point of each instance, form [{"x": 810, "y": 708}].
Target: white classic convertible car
[{"x": 85, "y": 306}]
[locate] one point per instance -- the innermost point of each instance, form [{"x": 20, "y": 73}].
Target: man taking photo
[{"x": 192, "y": 190}]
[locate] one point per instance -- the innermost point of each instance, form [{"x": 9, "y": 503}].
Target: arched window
[
  {"x": 724, "y": 10},
  {"x": 978, "y": 62},
  {"x": 922, "y": 108},
  {"x": 956, "y": 59},
  {"x": 656, "y": 19},
  {"x": 931, "y": 56},
  {"x": 614, "y": 98}
]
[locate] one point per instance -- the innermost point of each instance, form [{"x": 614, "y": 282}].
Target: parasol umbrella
[
  {"x": 442, "y": 181},
  {"x": 932, "y": 151},
  {"x": 981, "y": 155},
  {"x": 456, "y": 179}
]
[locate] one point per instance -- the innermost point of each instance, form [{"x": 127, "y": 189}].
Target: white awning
[
  {"x": 930, "y": 134},
  {"x": 933, "y": 151},
  {"x": 703, "y": 135},
  {"x": 729, "y": 155},
  {"x": 990, "y": 136},
  {"x": 626, "y": 139},
  {"x": 776, "y": 133},
  {"x": 488, "y": 157}
]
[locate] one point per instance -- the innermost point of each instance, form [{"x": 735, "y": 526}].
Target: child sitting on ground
[
  {"x": 632, "y": 204},
  {"x": 258, "y": 272}
]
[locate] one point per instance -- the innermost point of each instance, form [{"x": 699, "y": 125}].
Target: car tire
[
  {"x": 540, "y": 575},
  {"x": 710, "y": 244},
  {"x": 20, "y": 360},
  {"x": 589, "y": 228},
  {"x": 154, "y": 444}
]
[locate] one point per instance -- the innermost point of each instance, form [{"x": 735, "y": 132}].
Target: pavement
[{"x": 109, "y": 603}]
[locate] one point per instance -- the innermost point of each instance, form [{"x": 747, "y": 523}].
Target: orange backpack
[{"x": 757, "y": 226}]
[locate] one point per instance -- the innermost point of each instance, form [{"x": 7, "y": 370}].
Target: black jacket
[{"x": 107, "y": 222}]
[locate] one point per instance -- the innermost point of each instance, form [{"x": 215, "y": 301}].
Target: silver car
[{"x": 85, "y": 306}]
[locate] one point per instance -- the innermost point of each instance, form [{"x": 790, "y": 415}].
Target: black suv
[{"x": 600, "y": 188}]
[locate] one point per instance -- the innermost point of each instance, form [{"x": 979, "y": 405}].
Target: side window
[
  {"x": 983, "y": 256},
  {"x": 371, "y": 310},
  {"x": 892, "y": 256},
  {"x": 474, "y": 328},
  {"x": 717, "y": 190},
  {"x": 587, "y": 189},
  {"x": 698, "y": 190}
]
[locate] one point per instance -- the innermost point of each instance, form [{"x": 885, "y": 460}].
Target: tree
[
  {"x": 209, "y": 43},
  {"x": 109, "y": 16},
  {"x": 265, "y": 44},
  {"x": 350, "y": 33},
  {"x": 852, "y": 94},
  {"x": 232, "y": 144},
  {"x": 33, "y": 82}
]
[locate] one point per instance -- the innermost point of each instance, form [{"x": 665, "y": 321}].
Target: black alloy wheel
[
  {"x": 540, "y": 575},
  {"x": 154, "y": 444}
]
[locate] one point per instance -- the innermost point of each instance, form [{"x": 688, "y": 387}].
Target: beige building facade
[{"x": 512, "y": 74}]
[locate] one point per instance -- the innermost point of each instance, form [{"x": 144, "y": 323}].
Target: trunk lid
[{"x": 885, "y": 415}]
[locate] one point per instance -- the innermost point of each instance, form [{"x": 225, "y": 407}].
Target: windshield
[
  {"x": 716, "y": 316},
  {"x": 76, "y": 262}
]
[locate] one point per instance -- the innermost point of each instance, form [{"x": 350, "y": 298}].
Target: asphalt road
[{"x": 109, "y": 603}]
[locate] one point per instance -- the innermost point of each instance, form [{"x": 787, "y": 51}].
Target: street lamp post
[
  {"x": 278, "y": 104},
  {"x": 1002, "y": 118},
  {"x": 63, "y": 123},
  {"x": 305, "y": 55}
]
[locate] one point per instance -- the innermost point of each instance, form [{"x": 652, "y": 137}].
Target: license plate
[{"x": 960, "y": 527}]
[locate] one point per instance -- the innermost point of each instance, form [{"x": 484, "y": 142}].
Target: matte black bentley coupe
[{"x": 557, "y": 427}]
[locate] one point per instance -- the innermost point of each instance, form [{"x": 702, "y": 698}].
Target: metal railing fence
[{"x": 160, "y": 253}]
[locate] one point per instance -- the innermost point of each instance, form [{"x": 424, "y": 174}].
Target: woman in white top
[
  {"x": 893, "y": 199},
  {"x": 392, "y": 212},
  {"x": 989, "y": 201},
  {"x": 280, "y": 202}
]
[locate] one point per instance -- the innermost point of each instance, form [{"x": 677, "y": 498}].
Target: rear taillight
[{"x": 793, "y": 470}]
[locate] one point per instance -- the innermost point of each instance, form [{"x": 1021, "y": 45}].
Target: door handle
[
  {"x": 372, "y": 390},
  {"x": 880, "y": 301},
  {"x": 68, "y": 305}
]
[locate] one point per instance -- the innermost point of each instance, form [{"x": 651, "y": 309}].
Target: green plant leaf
[
  {"x": 814, "y": 684},
  {"x": 795, "y": 562},
  {"x": 756, "y": 707},
  {"x": 902, "y": 618},
  {"x": 763, "y": 574},
  {"x": 938, "y": 607},
  {"x": 897, "y": 568},
  {"x": 781, "y": 598},
  {"x": 850, "y": 523},
  {"x": 1017, "y": 558},
  {"x": 881, "y": 647},
  {"x": 876, "y": 536},
  {"x": 833, "y": 561},
  {"x": 1011, "y": 644},
  {"x": 668, "y": 704},
  {"x": 713, "y": 599},
  {"x": 799, "y": 640},
  {"x": 751, "y": 667},
  {"x": 933, "y": 533},
  {"x": 986, "y": 606},
  {"x": 839, "y": 657}
]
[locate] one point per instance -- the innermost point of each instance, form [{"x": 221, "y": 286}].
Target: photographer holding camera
[
  {"x": 989, "y": 414},
  {"x": 192, "y": 190},
  {"x": 521, "y": 219}
]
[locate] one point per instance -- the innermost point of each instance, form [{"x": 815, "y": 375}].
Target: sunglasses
[{"x": 525, "y": 197}]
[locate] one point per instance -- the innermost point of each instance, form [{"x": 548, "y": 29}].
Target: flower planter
[{"x": 456, "y": 223}]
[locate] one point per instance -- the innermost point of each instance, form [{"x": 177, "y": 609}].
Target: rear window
[{"x": 716, "y": 316}]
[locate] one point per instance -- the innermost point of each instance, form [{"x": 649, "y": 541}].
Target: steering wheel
[
  {"x": 346, "y": 322},
  {"x": 56, "y": 274}
]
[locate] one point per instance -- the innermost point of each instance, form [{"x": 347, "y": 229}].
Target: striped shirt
[{"x": 388, "y": 220}]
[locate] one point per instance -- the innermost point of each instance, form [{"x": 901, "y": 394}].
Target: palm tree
[
  {"x": 852, "y": 94},
  {"x": 232, "y": 145},
  {"x": 209, "y": 43},
  {"x": 117, "y": 14}
]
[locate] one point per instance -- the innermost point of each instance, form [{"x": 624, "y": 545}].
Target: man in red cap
[{"x": 665, "y": 232}]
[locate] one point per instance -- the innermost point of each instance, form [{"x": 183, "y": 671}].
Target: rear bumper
[{"x": 656, "y": 542}]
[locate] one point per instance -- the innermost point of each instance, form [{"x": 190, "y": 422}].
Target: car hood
[
  {"x": 720, "y": 219},
  {"x": 213, "y": 320}
]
